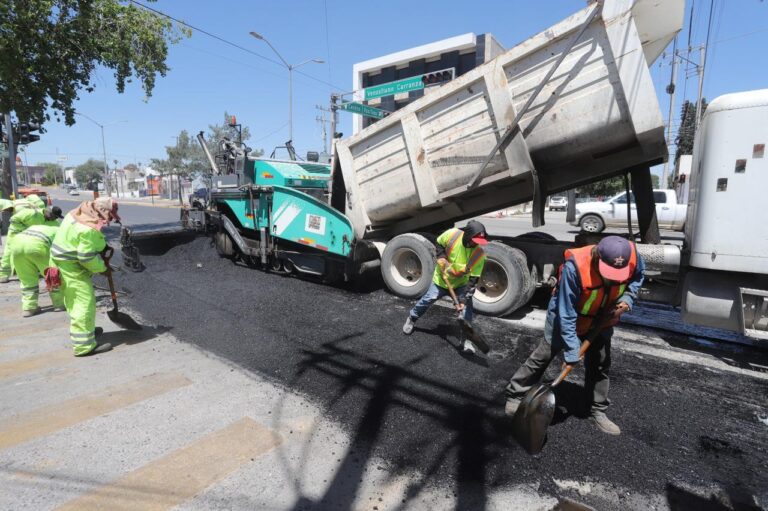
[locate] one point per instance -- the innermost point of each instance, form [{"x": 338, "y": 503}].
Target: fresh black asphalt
[{"x": 417, "y": 403}]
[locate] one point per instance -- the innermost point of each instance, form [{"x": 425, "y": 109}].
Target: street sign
[
  {"x": 62, "y": 157},
  {"x": 367, "y": 111},
  {"x": 388, "y": 89}
]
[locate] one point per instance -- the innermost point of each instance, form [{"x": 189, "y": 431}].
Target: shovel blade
[
  {"x": 530, "y": 423},
  {"x": 123, "y": 320},
  {"x": 474, "y": 335}
]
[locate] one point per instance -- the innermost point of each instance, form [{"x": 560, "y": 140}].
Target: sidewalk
[{"x": 156, "y": 423}]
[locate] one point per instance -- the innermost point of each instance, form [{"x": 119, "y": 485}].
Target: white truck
[
  {"x": 569, "y": 106},
  {"x": 596, "y": 216}
]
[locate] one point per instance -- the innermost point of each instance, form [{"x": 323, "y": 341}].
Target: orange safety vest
[{"x": 595, "y": 295}]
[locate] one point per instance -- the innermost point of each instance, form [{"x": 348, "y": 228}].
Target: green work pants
[
  {"x": 30, "y": 261},
  {"x": 5, "y": 263},
  {"x": 80, "y": 301}
]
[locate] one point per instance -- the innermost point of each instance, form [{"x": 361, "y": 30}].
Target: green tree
[
  {"x": 187, "y": 158},
  {"x": 605, "y": 188},
  {"x": 49, "y": 50},
  {"x": 52, "y": 174},
  {"x": 687, "y": 131},
  {"x": 90, "y": 171}
]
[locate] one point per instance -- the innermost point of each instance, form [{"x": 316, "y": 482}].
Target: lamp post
[
  {"x": 103, "y": 149},
  {"x": 290, "y": 68}
]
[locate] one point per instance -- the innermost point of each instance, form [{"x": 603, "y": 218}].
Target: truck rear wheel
[
  {"x": 506, "y": 284},
  {"x": 407, "y": 265}
]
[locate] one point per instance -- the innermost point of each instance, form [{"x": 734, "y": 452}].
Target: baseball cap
[
  {"x": 614, "y": 253},
  {"x": 56, "y": 212},
  {"x": 476, "y": 232}
]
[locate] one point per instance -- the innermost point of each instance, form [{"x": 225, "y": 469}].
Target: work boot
[
  {"x": 604, "y": 424},
  {"x": 30, "y": 313},
  {"x": 98, "y": 331},
  {"x": 510, "y": 408},
  {"x": 408, "y": 326},
  {"x": 100, "y": 348}
]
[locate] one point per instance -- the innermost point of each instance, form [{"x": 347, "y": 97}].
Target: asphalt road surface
[{"x": 693, "y": 438}]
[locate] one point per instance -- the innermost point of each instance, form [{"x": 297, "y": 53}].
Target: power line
[{"x": 230, "y": 43}]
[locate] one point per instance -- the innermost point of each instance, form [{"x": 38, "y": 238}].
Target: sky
[{"x": 209, "y": 77}]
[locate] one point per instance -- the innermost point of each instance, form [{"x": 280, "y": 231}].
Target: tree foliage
[
  {"x": 610, "y": 187},
  {"x": 90, "y": 171},
  {"x": 687, "y": 131},
  {"x": 49, "y": 50},
  {"x": 52, "y": 174},
  {"x": 187, "y": 158}
]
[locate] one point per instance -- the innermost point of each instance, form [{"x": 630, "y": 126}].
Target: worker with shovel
[
  {"x": 597, "y": 284},
  {"x": 30, "y": 256},
  {"x": 76, "y": 251},
  {"x": 460, "y": 262}
]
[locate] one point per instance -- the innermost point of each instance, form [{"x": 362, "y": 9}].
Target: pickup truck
[{"x": 596, "y": 216}]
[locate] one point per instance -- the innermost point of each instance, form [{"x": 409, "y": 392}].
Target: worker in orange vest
[{"x": 597, "y": 284}]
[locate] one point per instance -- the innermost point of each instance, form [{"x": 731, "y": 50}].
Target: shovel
[
  {"x": 119, "y": 318},
  {"x": 533, "y": 416},
  {"x": 471, "y": 334}
]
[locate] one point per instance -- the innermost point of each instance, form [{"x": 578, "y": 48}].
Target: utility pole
[
  {"x": 322, "y": 120},
  {"x": 702, "y": 59},
  {"x": 334, "y": 119},
  {"x": 671, "y": 91}
]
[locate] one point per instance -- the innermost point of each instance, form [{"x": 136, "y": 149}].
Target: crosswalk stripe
[
  {"x": 180, "y": 475},
  {"x": 43, "y": 324},
  {"x": 49, "y": 419},
  {"x": 35, "y": 363}
]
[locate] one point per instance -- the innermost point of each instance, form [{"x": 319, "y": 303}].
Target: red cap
[{"x": 480, "y": 239}]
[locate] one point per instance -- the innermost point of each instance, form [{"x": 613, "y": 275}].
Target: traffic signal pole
[{"x": 11, "y": 166}]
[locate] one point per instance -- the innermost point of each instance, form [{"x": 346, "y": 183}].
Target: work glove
[{"x": 615, "y": 315}]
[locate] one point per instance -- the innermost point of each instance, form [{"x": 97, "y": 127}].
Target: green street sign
[
  {"x": 368, "y": 111},
  {"x": 388, "y": 89}
]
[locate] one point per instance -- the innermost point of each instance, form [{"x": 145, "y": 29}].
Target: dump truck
[{"x": 571, "y": 105}]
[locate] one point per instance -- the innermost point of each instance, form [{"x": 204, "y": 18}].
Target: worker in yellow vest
[
  {"x": 596, "y": 285},
  {"x": 77, "y": 252},
  {"x": 460, "y": 253},
  {"x": 27, "y": 212},
  {"x": 30, "y": 256}
]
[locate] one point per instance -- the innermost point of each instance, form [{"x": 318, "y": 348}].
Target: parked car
[
  {"x": 596, "y": 216},
  {"x": 558, "y": 203},
  {"x": 74, "y": 191}
]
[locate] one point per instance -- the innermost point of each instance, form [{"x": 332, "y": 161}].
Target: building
[{"x": 458, "y": 55}]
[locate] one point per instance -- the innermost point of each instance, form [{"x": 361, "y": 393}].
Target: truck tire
[
  {"x": 407, "y": 265},
  {"x": 592, "y": 223},
  {"x": 506, "y": 283},
  {"x": 224, "y": 245}
]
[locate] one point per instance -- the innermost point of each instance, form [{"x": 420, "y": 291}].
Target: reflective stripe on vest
[
  {"x": 475, "y": 258},
  {"x": 37, "y": 234},
  {"x": 595, "y": 296},
  {"x": 455, "y": 238}
]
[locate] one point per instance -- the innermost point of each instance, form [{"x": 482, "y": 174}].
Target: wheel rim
[
  {"x": 590, "y": 224},
  {"x": 494, "y": 283},
  {"x": 406, "y": 267}
]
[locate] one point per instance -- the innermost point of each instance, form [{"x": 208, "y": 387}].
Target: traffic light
[
  {"x": 25, "y": 132},
  {"x": 438, "y": 77}
]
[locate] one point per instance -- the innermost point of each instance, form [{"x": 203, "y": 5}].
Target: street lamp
[
  {"x": 103, "y": 148},
  {"x": 290, "y": 68}
]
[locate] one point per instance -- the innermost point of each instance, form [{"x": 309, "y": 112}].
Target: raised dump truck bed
[{"x": 577, "y": 97}]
